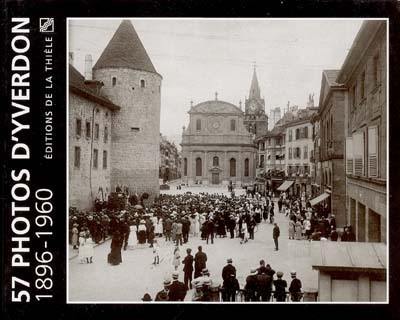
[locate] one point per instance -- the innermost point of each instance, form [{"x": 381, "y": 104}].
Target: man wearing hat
[
  {"x": 188, "y": 269},
  {"x": 163, "y": 294},
  {"x": 177, "y": 289},
  {"x": 198, "y": 293},
  {"x": 228, "y": 270},
  {"x": 251, "y": 285},
  {"x": 275, "y": 235},
  {"x": 280, "y": 287},
  {"x": 200, "y": 260},
  {"x": 295, "y": 287}
]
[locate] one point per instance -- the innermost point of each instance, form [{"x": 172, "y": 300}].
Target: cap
[
  {"x": 279, "y": 274},
  {"x": 198, "y": 285},
  {"x": 229, "y": 260},
  {"x": 167, "y": 282},
  {"x": 253, "y": 271},
  {"x": 293, "y": 273},
  {"x": 207, "y": 282},
  {"x": 175, "y": 275},
  {"x": 205, "y": 270}
]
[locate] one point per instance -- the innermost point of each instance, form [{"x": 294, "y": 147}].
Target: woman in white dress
[
  {"x": 197, "y": 224},
  {"x": 192, "y": 219},
  {"x": 159, "y": 227},
  {"x": 86, "y": 250},
  {"x": 132, "y": 240}
]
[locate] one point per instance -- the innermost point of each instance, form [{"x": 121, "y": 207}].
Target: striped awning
[
  {"x": 320, "y": 198},
  {"x": 285, "y": 185}
]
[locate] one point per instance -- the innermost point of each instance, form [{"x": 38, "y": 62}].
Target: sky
[{"x": 198, "y": 57}]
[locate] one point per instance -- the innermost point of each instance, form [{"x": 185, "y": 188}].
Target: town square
[{"x": 223, "y": 160}]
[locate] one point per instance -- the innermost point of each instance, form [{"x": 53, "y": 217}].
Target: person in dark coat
[
  {"x": 167, "y": 228},
  {"x": 280, "y": 287},
  {"x": 210, "y": 230},
  {"x": 228, "y": 270},
  {"x": 177, "y": 289},
  {"x": 185, "y": 229},
  {"x": 262, "y": 268},
  {"x": 295, "y": 287},
  {"x": 117, "y": 241},
  {"x": 275, "y": 235},
  {"x": 231, "y": 226},
  {"x": 251, "y": 286},
  {"x": 188, "y": 269},
  {"x": 231, "y": 285},
  {"x": 264, "y": 285},
  {"x": 250, "y": 227},
  {"x": 200, "y": 260},
  {"x": 125, "y": 230}
]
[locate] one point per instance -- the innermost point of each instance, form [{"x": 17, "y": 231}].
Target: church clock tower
[{"x": 256, "y": 121}]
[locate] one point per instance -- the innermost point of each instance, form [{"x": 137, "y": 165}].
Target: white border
[{"x": 222, "y": 302}]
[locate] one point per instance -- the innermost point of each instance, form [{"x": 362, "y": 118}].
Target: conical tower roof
[
  {"x": 254, "y": 88},
  {"x": 125, "y": 50}
]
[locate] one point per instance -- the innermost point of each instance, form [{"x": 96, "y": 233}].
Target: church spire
[{"x": 254, "y": 88}]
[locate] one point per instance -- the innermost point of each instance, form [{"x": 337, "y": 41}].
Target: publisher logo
[{"x": 46, "y": 25}]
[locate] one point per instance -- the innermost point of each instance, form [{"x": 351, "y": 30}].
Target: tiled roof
[
  {"x": 77, "y": 85},
  {"x": 125, "y": 50},
  {"x": 215, "y": 106}
]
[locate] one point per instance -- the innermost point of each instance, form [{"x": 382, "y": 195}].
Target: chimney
[
  {"x": 71, "y": 58},
  {"x": 88, "y": 67}
]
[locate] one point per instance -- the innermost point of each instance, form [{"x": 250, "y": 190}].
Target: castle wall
[
  {"x": 135, "y": 153},
  {"x": 86, "y": 182}
]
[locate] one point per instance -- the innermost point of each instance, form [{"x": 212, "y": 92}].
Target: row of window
[
  {"x": 300, "y": 133},
  {"x": 362, "y": 151},
  {"x": 95, "y": 158},
  {"x": 232, "y": 125},
  {"x": 114, "y": 82},
  {"x": 298, "y": 169},
  {"x": 359, "y": 89},
  {"x": 88, "y": 132},
  {"x": 276, "y": 157},
  {"x": 232, "y": 166},
  {"x": 263, "y": 145},
  {"x": 295, "y": 153}
]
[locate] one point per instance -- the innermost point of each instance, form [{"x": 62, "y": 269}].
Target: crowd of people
[
  {"x": 262, "y": 284},
  {"x": 178, "y": 218}
]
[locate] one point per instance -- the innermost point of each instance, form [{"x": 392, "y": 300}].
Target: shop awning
[
  {"x": 320, "y": 198},
  {"x": 284, "y": 186}
]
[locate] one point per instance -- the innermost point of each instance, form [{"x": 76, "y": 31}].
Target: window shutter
[
  {"x": 358, "y": 149},
  {"x": 349, "y": 155},
  {"x": 373, "y": 151}
]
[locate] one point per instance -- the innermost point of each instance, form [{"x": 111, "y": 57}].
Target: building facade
[
  {"x": 169, "y": 160},
  {"x": 331, "y": 149},
  {"x": 217, "y": 148},
  {"x": 125, "y": 79},
  {"x": 364, "y": 74},
  {"x": 299, "y": 147}
]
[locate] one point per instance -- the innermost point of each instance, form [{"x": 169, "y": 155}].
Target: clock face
[
  {"x": 252, "y": 107},
  {"x": 216, "y": 124}
]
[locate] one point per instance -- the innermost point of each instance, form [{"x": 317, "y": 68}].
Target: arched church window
[
  {"x": 233, "y": 125},
  {"x": 198, "y": 124},
  {"x": 198, "y": 167},
  {"x": 232, "y": 167},
  {"x": 114, "y": 81},
  {"x": 142, "y": 83},
  {"x": 185, "y": 167},
  {"x": 215, "y": 161},
  {"x": 246, "y": 167}
]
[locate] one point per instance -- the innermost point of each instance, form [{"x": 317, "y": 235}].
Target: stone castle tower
[
  {"x": 131, "y": 82},
  {"x": 256, "y": 121}
]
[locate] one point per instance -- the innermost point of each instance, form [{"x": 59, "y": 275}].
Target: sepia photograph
[{"x": 227, "y": 160}]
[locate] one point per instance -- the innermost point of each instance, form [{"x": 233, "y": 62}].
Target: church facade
[{"x": 218, "y": 144}]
